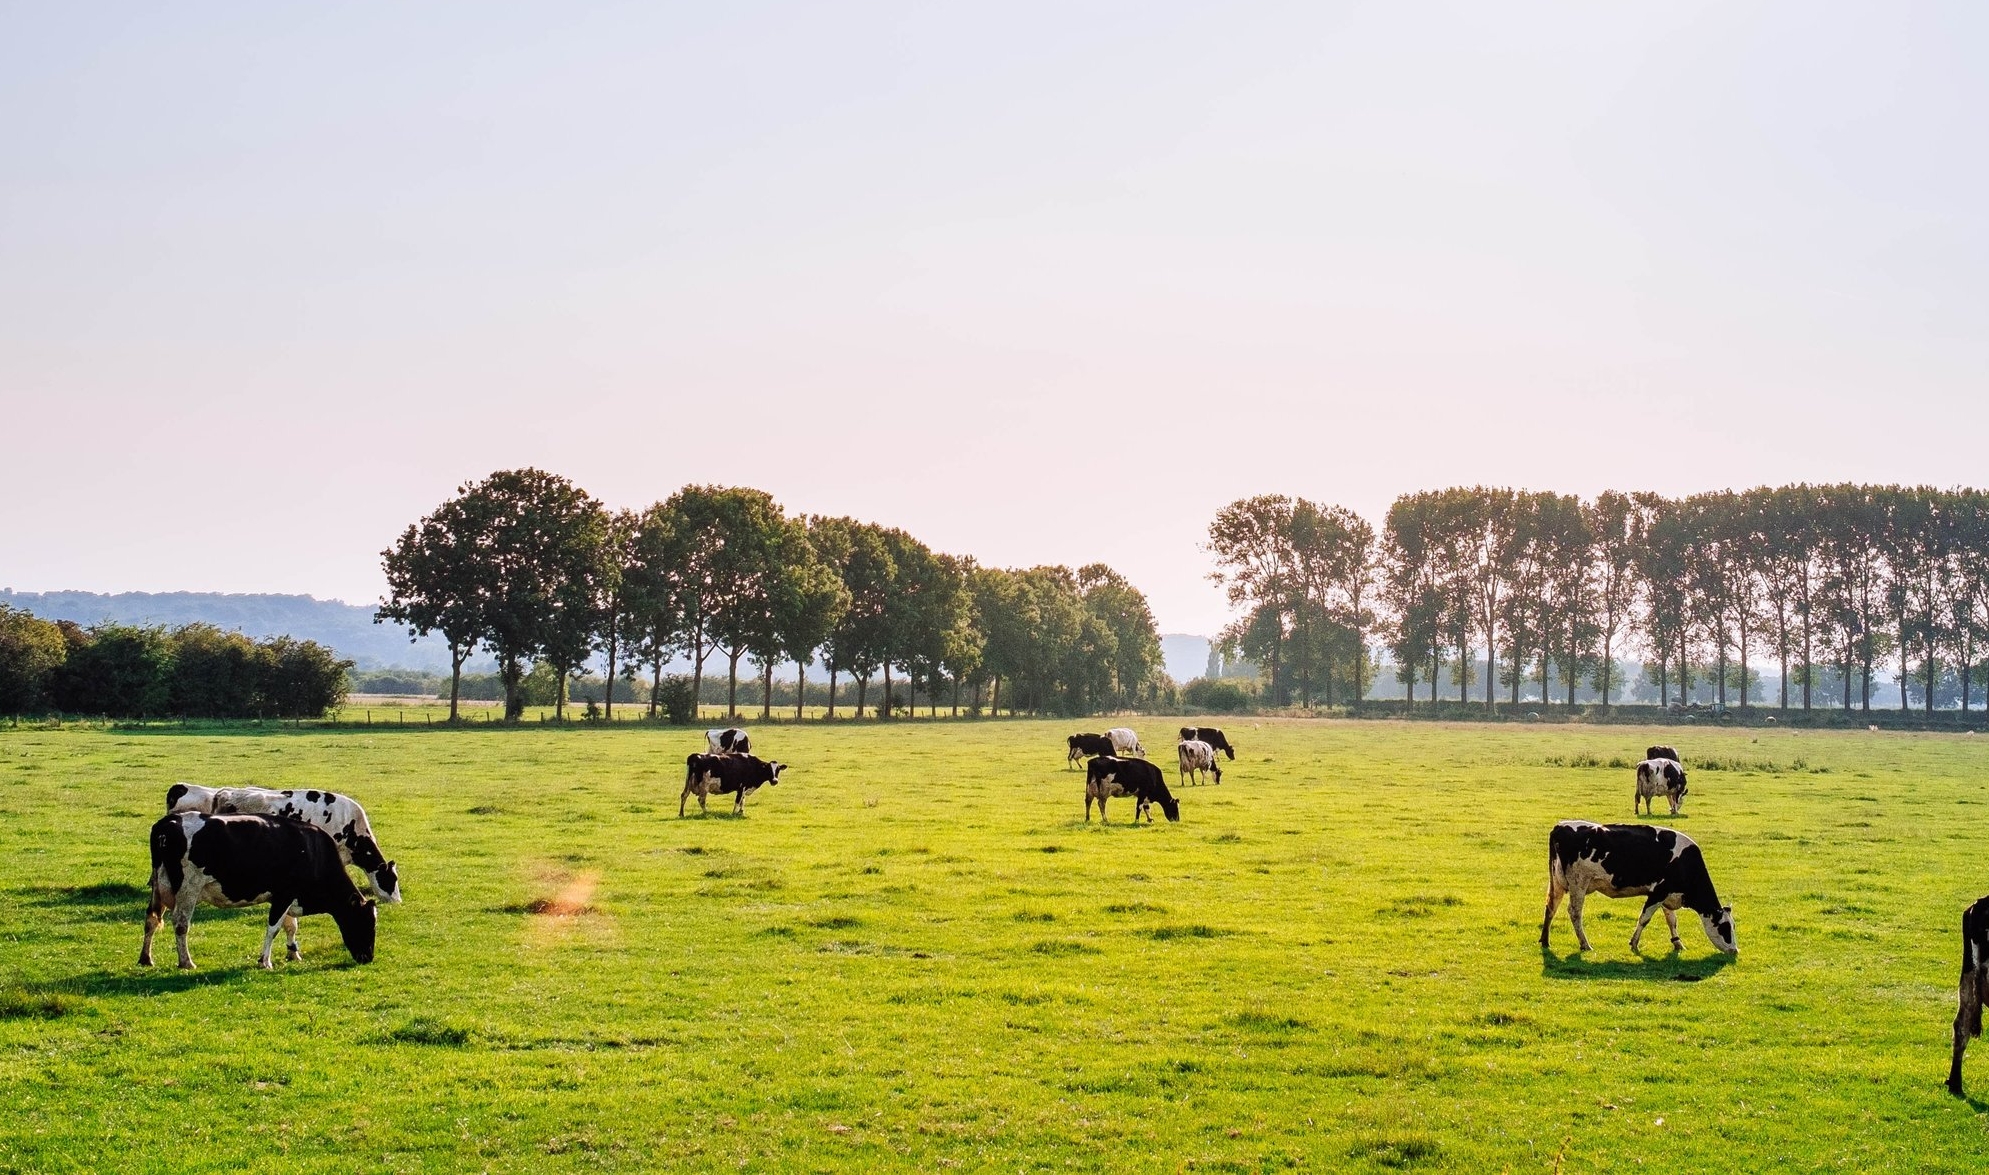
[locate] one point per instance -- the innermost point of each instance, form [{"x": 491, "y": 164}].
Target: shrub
[{"x": 1219, "y": 697}]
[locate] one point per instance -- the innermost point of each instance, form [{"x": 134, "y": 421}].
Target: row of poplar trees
[
  {"x": 528, "y": 567},
  {"x": 1851, "y": 579}
]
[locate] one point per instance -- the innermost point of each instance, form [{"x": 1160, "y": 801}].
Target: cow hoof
[
  {"x": 1954, "y": 1087},
  {"x": 144, "y": 960},
  {"x": 186, "y": 966},
  {"x": 1676, "y": 945}
]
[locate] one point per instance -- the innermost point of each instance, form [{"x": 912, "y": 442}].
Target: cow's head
[
  {"x": 1719, "y": 928},
  {"x": 773, "y": 771},
  {"x": 358, "y": 925},
  {"x": 387, "y": 884},
  {"x": 1170, "y": 808}
]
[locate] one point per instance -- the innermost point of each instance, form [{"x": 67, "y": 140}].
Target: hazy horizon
[{"x": 1039, "y": 284}]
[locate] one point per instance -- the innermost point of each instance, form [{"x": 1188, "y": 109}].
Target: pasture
[{"x": 914, "y": 953}]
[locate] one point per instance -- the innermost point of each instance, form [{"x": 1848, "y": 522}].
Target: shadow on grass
[
  {"x": 1670, "y": 965},
  {"x": 147, "y": 981},
  {"x": 100, "y": 901}
]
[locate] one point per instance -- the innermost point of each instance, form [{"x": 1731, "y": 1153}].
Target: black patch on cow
[
  {"x": 174, "y": 794},
  {"x": 310, "y": 797}
]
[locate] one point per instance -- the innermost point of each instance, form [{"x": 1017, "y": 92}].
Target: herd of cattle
[{"x": 249, "y": 846}]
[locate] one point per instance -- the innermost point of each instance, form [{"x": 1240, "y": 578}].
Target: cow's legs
[
  {"x": 1217, "y": 768},
  {"x": 293, "y": 950},
  {"x": 1650, "y": 907},
  {"x": 1087, "y": 808},
  {"x": 1967, "y": 1023},
  {"x": 739, "y": 802},
  {"x": 1671, "y": 921},
  {"x": 155, "y": 913},
  {"x": 183, "y": 905},
  {"x": 1575, "y": 900},
  {"x": 269, "y": 936},
  {"x": 682, "y": 800}
]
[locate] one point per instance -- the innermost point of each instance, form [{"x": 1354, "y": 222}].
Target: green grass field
[{"x": 915, "y": 954}]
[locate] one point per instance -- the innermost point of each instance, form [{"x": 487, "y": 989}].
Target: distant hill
[{"x": 348, "y": 628}]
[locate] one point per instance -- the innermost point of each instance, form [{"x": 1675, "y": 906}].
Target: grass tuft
[
  {"x": 1051, "y": 946},
  {"x": 26, "y": 1004},
  {"x": 1192, "y": 930},
  {"x": 1395, "y": 1150}
]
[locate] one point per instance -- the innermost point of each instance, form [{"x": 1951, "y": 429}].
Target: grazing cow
[
  {"x": 1662, "y": 865},
  {"x": 1196, "y": 756},
  {"x": 248, "y": 860},
  {"x": 1659, "y": 777},
  {"x": 1109, "y": 776},
  {"x": 730, "y": 741},
  {"x": 1125, "y": 742},
  {"x": 1974, "y": 985},
  {"x": 341, "y": 816},
  {"x": 1209, "y": 735},
  {"x": 737, "y": 776},
  {"x": 1662, "y": 752},
  {"x": 1086, "y": 744}
]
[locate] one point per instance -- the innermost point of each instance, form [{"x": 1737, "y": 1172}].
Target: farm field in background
[{"x": 914, "y": 953}]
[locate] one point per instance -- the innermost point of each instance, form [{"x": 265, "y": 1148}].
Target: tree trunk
[
  {"x": 732, "y": 687},
  {"x": 832, "y": 690},
  {"x": 456, "y": 659},
  {"x": 559, "y": 693},
  {"x": 655, "y": 684},
  {"x": 1743, "y": 663},
  {"x": 862, "y": 688},
  {"x": 800, "y": 686},
  {"x": 885, "y": 708},
  {"x": 1608, "y": 668},
  {"x": 994, "y": 698},
  {"x": 1904, "y": 670},
  {"x": 1931, "y": 670},
  {"x": 956, "y": 697},
  {"x": 512, "y": 674},
  {"x": 766, "y": 692},
  {"x": 1663, "y": 686}
]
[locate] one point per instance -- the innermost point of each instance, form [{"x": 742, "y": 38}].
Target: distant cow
[
  {"x": 1662, "y": 752},
  {"x": 1974, "y": 985},
  {"x": 1662, "y": 865},
  {"x": 1125, "y": 742},
  {"x": 1659, "y": 777},
  {"x": 1109, "y": 776},
  {"x": 1196, "y": 756},
  {"x": 339, "y": 815},
  {"x": 246, "y": 861},
  {"x": 730, "y": 741},
  {"x": 737, "y": 776},
  {"x": 1209, "y": 735},
  {"x": 1082, "y": 745}
]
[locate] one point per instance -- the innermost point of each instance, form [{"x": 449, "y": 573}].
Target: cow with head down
[
  {"x": 1659, "y": 777},
  {"x": 1661, "y": 865},
  {"x": 1108, "y": 776}
]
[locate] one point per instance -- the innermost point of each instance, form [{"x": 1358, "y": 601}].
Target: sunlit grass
[{"x": 915, "y": 953}]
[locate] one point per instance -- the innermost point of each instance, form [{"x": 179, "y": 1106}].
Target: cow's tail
[
  {"x": 690, "y": 769},
  {"x": 168, "y": 853},
  {"x": 1974, "y": 968}
]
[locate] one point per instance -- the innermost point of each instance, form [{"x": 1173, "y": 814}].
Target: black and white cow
[
  {"x": 1974, "y": 985},
  {"x": 1662, "y": 752},
  {"x": 1659, "y": 777},
  {"x": 341, "y": 816},
  {"x": 1209, "y": 735},
  {"x": 730, "y": 741},
  {"x": 1108, "y": 776},
  {"x": 1662, "y": 865},
  {"x": 737, "y": 776},
  {"x": 1195, "y": 756},
  {"x": 1082, "y": 745},
  {"x": 246, "y": 861},
  {"x": 1125, "y": 742}
]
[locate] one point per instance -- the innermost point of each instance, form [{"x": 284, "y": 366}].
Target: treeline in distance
[
  {"x": 1849, "y": 578},
  {"x": 193, "y": 671},
  {"x": 529, "y": 567}
]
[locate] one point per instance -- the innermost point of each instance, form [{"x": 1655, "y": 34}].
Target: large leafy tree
[
  {"x": 858, "y": 640},
  {"x": 436, "y": 582}
]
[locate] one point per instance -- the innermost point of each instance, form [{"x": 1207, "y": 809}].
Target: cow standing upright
[
  {"x": 1209, "y": 735},
  {"x": 1659, "y": 777},
  {"x": 1196, "y": 756},
  {"x": 1662, "y": 865},
  {"x": 1974, "y": 985},
  {"x": 730, "y": 741},
  {"x": 248, "y": 860},
  {"x": 1081, "y": 745},
  {"x": 339, "y": 815},
  {"x": 737, "y": 776},
  {"x": 1108, "y": 776}
]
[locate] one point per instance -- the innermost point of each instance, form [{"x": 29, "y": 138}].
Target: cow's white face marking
[{"x": 1719, "y": 928}]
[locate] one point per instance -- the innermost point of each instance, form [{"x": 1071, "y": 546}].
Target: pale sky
[{"x": 1036, "y": 282}]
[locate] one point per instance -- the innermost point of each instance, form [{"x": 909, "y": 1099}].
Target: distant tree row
[
  {"x": 194, "y": 671},
  {"x": 1833, "y": 582},
  {"x": 530, "y": 568}
]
